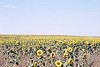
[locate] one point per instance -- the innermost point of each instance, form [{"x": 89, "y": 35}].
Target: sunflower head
[
  {"x": 84, "y": 56},
  {"x": 58, "y": 63},
  {"x": 52, "y": 54},
  {"x": 70, "y": 49},
  {"x": 64, "y": 42},
  {"x": 39, "y": 52},
  {"x": 48, "y": 47},
  {"x": 70, "y": 60},
  {"x": 57, "y": 44},
  {"x": 65, "y": 50},
  {"x": 83, "y": 50},
  {"x": 65, "y": 54},
  {"x": 35, "y": 64}
]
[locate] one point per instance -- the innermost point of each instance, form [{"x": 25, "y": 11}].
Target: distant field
[{"x": 49, "y": 51}]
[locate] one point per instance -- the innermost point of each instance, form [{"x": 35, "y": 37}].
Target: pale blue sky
[{"x": 66, "y": 17}]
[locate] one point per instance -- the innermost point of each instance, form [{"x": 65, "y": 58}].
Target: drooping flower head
[
  {"x": 70, "y": 60},
  {"x": 52, "y": 54}
]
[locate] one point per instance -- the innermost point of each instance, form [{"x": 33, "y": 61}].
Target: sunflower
[
  {"x": 35, "y": 64},
  {"x": 58, "y": 63},
  {"x": 57, "y": 44},
  {"x": 70, "y": 49},
  {"x": 83, "y": 50},
  {"x": 65, "y": 55},
  {"x": 48, "y": 47},
  {"x": 65, "y": 50},
  {"x": 70, "y": 60},
  {"x": 52, "y": 54},
  {"x": 35, "y": 49},
  {"x": 84, "y": 56},
  {"x": 39, "y": 52},
  {"x": 64, "y": 42}
]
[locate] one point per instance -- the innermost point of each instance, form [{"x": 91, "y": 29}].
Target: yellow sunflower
[
  {"x": 39, "y": 52},
  {"x": 65, "y": 55},
  {"x": 58, "y": 63},
  {"x": 83, "y": 50},
  {"x": 65, "y": 50},
  {"x": 48, "y": 47},
  {"x": 35, "y": 64},
  {"x": 70, "y": 49},
  {"x": 84, "y": 56},
  {"x": 52, "y": 54},
  {"x": 70, "y": 60},
  {"x": 34, "y": 48},
  {"x": 57, "y": 44},
  {"x": 23, "y": 46}
]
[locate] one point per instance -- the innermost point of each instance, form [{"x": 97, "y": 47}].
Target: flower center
[
  {"x": 58, "y": 63},
  {"x": 39, "y": 52}
]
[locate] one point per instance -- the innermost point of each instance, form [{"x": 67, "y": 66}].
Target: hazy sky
[{"x": 67, "y": 17}]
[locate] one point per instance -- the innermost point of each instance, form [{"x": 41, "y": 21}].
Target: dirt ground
[{"x": 94, "y": 61}]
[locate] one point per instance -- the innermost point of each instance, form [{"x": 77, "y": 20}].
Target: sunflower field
[{"x": 48, "y": 51}]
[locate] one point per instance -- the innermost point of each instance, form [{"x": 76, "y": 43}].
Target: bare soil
[{"x": 94, "y": 61}]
